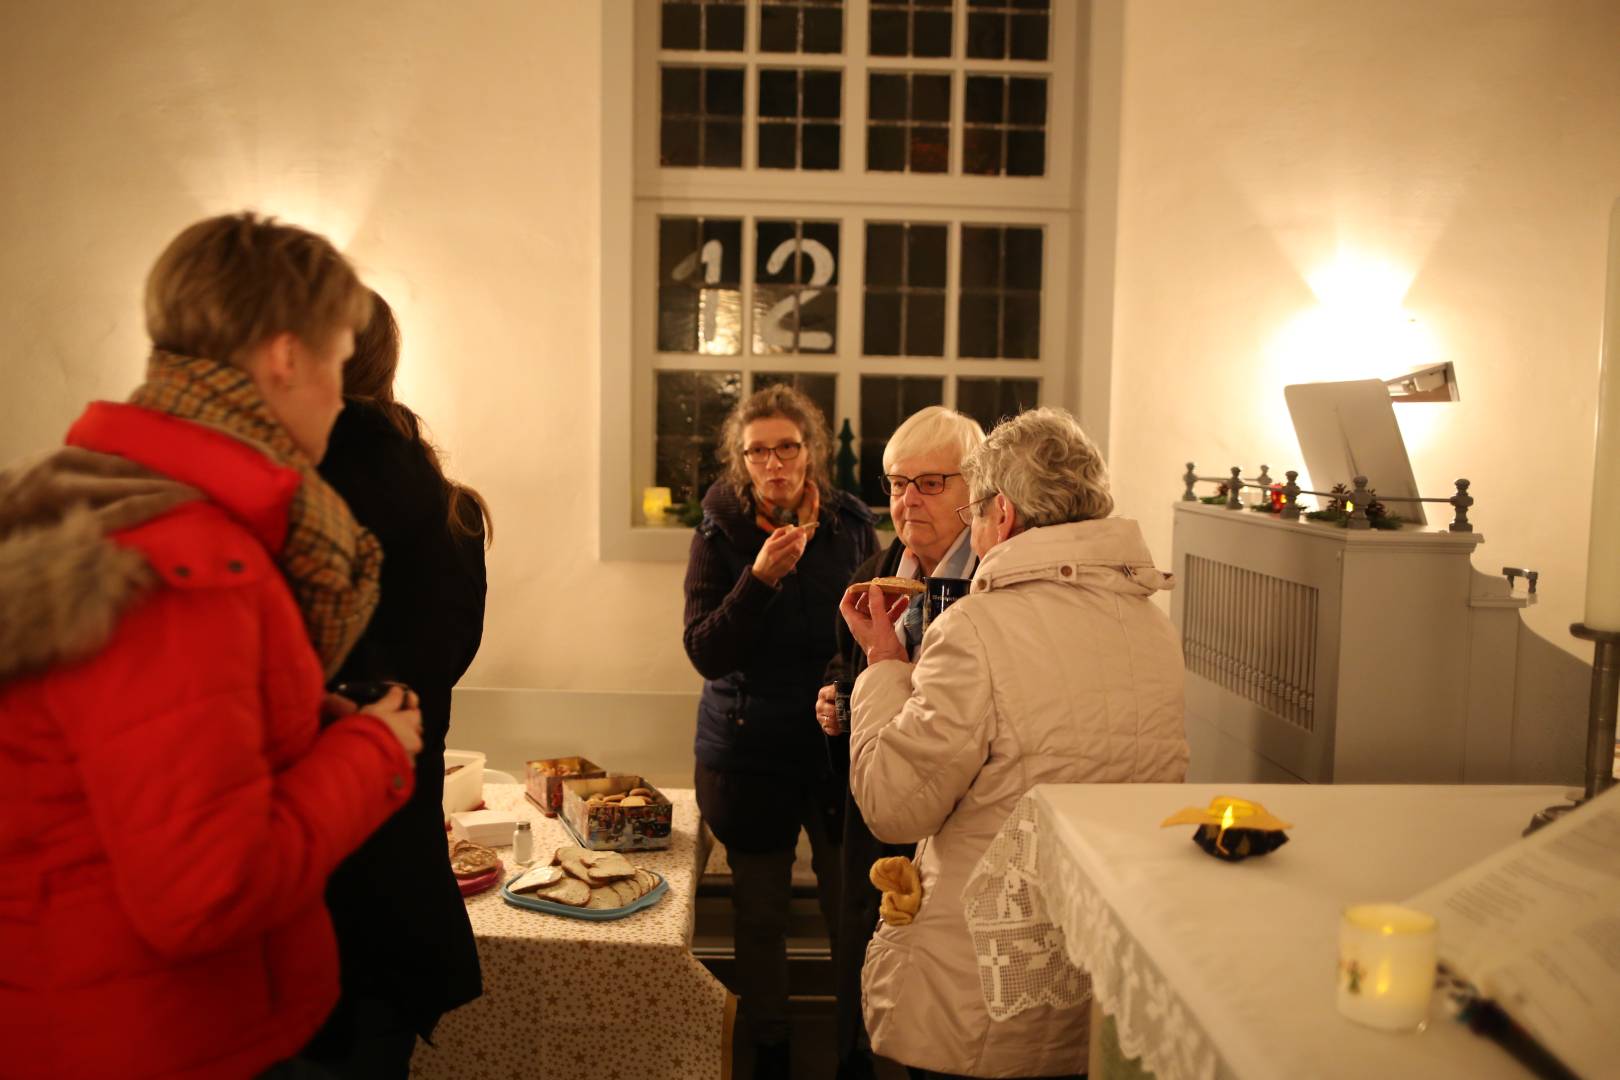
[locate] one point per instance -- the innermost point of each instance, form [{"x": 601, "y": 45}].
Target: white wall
[
  {"x": 451, "y": 148},
  {"x": 1470, "y": 145},
  {"x": 454, "y": 150}
]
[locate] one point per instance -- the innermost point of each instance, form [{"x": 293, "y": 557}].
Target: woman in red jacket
[{"x": 175, "y": 586}]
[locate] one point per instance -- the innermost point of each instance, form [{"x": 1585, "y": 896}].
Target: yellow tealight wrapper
[{"x": 1226, "y": 812}]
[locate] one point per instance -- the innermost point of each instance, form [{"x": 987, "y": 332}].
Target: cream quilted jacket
[{"x": 1057, "y": 668}]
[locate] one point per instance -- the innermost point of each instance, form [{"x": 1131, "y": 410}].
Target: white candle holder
[{"x": 1387, "y": 957}]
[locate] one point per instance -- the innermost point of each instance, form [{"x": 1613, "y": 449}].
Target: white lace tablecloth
[
  {"x": 1216, "y": 970},
  {"x": 620, "y": 1000}
]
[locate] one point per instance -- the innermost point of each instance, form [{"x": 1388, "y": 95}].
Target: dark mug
[
  {"x": 940, "y": 593},
  {"x": 842, "y": 688}
]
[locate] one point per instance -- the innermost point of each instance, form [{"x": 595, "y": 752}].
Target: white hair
[
  {"x": 930, "y": 429},
  {"x": 1045, "y": 465}
]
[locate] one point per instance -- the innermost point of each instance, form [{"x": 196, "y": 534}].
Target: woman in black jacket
[
  {"x": 922, "y": 474},
  {"x": 405, "y": 945},
  {"x": 768, "y": 565}
]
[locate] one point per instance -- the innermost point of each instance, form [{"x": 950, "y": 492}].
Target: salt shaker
[{"x": 522, "y": 844}]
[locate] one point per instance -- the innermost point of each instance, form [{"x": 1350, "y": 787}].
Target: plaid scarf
[
  {"x": 331, "y": 564},
  {"x": 770, "y": 517}
]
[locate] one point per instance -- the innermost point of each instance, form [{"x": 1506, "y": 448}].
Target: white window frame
[{"x": 636, "y": 191}]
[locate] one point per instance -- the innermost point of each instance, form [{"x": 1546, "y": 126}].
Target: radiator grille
[{"x": 1254, "y": 635}]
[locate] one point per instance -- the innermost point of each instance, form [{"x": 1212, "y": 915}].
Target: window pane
[
  {"x": 890, "y": 32},
  {"x": 1006, "y": 126},
  {"x": 821, "y": 146},
  {"x": 925, "y": 256},
  {"x": 931, "y": 33},
  {"x": 925, "y": 324},
  {"x": 795, "y": 292},
  {"x": 1026, "y": 100},
  {"x": 699, "y": 285},
  {"x": 981, "y": 151},
  {"x": 778, "y": 146},
  {"x": 1023, "y": 248},
  {"x": 1000, "y": 307},
  {"x": 819, "y": 388},
  {"x": 987, "y": 35},
  {"x": 905, "y": 290},
  {"x": 699, "y": 117},
  {"x": 723, "y": 25},
  {"x": 886, "y": 96},
  {"x": 989, "y": 401},
  {"x": 1029, "y": 37},
  {"x": 799, "y": 118},
  {"x": 682, "y": 25},
  {"x": 886, "y": 149},
  {"x": 981, "y": 257},
  {"x": 978, "y": 325},
  {"x": 885, "y": 254},
  {"x": 984, "y": 101},
  {"x": 824, "y": 94},
  {"x": 779, "y": 28},
  {"x": 909, "y": 28},
  {"x": 931, "y": 97},
  {"x": 690, "y": 407},
  {"x": 1021, "y": 326},
  {"x": 885, "y": 402},
  {"x": 778, "y": 93},
  {"x": 824, "y": 29},
  {"x": 1026, "y": 153},
  {"x": 895, "y": 103},
  {"x": 881, "y": 324}
]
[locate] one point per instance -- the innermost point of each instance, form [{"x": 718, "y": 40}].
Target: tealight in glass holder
[{"x": 1386, "y": 966}]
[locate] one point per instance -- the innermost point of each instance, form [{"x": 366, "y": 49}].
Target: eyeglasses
[
  {"x": 964, "y": 514},
  {"x": 759, "y": 455},
  {"x": 927, "y": 484}
]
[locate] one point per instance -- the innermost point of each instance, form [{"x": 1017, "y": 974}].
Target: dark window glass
[
  {"x": 778, "y": 93},
  {"x": 700, "y": 111},
  {"x": 796, "y": 286},
  {"x": 987, "y": 35},
  {"x": 1005, "y": 126},
  {"x": 999, "y": 309},
  {"x": 885, "y": 254},
  {"x": 723, "y": 26},
  {"x": 990, "y": 401},
  {"x": 880, "y": 329},
  {"x": 819, "y": 388},
  {"x": 1007, "y": 29},
  {"x": 691, "y": 406},
  {"x": 722, "y": 144},
  {"x": 885, "y": 402},
  {"x": 905, "y": 290},
  {"x": 896, "y": 102},
  {"x": 799, "y": 118},
  {"x": 699, "y": 285},
  {"x": 824, "y": 94},
  {"x": 723, "y": 91},
  {"x": 978, "y": 328},
  {"x": 824, "y": 29},
  {"x": 909, "y": 28},
  {"x": 886, "y": 149},
  {"x": 682, "y": 25},
  {"x": 808, "y": 26}
]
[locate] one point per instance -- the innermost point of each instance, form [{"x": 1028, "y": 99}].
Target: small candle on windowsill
[
  {"x": 1386, "y": 966},
  {"x": 1603, "y": 546},
  {"x": 655, "y": 503}
]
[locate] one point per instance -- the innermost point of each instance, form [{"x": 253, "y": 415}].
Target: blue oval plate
[{"x": 551, "y": 907}]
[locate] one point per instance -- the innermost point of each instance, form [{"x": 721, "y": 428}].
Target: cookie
[
  {"x": 570, "y": 891},
  {"x": 604, "y": 866},
  {"x": 627, "y": 890},
  {"x": 603, "y": 898},
  {"x": 647, "y": 879}
]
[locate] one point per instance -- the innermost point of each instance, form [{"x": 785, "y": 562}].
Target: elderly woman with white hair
[
  {"x": 922, "y": 476},
  {"x": 1056, "y": 668}
]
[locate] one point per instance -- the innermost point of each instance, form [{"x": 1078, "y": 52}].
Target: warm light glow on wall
[{"x": 1360, "y": 329}]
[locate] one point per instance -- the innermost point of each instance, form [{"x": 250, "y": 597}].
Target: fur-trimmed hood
[{"x": 63, "y": 582}]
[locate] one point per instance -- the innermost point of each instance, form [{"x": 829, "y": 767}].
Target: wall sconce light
[{"x": 1435, "y": 383}]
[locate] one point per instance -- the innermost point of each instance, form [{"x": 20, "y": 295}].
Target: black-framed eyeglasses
[
  {"x": 927, "y": 484},
  {"x": 784, "y": 452},
  {"x": 964, "y": 514}
]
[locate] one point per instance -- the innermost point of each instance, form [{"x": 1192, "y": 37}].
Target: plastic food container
[{"x": 463, "y": 780}]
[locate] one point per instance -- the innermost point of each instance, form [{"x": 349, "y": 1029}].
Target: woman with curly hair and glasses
[{"x": 768, "y": 565}]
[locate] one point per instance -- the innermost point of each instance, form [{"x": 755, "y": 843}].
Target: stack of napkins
[{"x": 491, "y": 828}]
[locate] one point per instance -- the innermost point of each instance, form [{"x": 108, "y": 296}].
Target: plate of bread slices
[{"x": 578, "y": 883}]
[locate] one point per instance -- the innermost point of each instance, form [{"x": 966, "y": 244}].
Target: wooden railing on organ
[{"x": 1359, "y": 496}]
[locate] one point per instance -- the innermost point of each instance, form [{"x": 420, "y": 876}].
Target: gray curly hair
[{"x": 1045, "y": 465}]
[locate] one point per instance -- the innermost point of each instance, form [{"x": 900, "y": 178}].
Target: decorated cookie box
[
  {"x": 612, "y": 826},
  {"x": 544, "y": 778}
]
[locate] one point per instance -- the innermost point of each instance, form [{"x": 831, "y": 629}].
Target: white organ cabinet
[{"x": 1322, "y": 654}]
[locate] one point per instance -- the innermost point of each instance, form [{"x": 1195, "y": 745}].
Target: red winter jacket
[{"x": 170, "y": 808}]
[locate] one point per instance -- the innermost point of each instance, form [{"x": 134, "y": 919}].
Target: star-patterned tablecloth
[{"x": 619, "y": 1000}]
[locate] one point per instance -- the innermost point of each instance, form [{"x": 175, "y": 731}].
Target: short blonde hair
[
  {"x": 933, "y": 428},
  {"x": 1045, "y": 465},
  {"x": 780, "y": 400},
  {"x": 228, "y": 283}
]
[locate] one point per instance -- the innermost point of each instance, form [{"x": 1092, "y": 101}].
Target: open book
[{"x": 1536, "y": 929}]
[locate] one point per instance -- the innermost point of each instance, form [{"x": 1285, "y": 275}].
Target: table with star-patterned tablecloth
[{"x": 567, "y": 997}]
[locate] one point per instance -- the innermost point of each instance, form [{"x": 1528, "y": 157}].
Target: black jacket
[
  {"x": 762, "y": 649},
  {"x": 402, "y": 927}
]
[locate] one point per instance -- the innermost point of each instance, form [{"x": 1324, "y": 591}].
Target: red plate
[{"x": 480, "y": 882}]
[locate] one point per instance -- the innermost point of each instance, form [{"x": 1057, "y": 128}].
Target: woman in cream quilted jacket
[{"x": 1056, "y": 668}]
